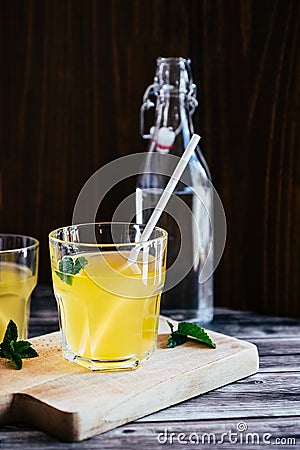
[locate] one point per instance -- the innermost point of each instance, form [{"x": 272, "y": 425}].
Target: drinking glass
[
  {"x": 108, "y": 287},
  {"x": 18, "y": 278}
]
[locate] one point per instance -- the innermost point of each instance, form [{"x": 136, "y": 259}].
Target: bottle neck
[
  {"x": 175, "y": 98},
  {"x": 173, "y": 128},
  {"x": 174, "y": 75},
  {"x": 173, "y": 94},
  {"x": 173, "y": 124}
]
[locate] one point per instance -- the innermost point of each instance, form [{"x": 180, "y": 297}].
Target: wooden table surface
[{"x": 260, "y": 410}]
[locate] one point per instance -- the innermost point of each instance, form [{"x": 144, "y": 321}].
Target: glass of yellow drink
[
  {"x": 18, "y": 278},
  {"x": 108, "y": 287}
]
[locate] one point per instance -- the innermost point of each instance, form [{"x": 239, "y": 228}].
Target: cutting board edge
[
  {"x": 60, "y": 424},
  {"x": 70, "y": 426},
  {"x": 249, "y": 353}
]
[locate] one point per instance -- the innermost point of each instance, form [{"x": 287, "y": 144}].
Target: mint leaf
[
  {"x": 7, "y": 353},
  {"x": 67, "y": 267},
  {"x": 13, "y": 356},
  {"x": 21, "y": 346},
  {"x": 13, "y": 349},
  {"x": 11, "y": 333},
  {"x": 65, "y": 277},
  {"x": 25, "y": 350},
  {"x": 171, "y": 326},
  {"x": 176, "y": 339},
  {"x": 80, "y": 263},
  {"x": 29, "y": 353},
  {"x": 16, "y": 360},
  {"x": 195, "y": 331},
  {"x": 188, "y": 331},
  {"x": 66, "y": 264}
]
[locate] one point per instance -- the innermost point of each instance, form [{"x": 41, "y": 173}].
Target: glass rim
[
  {"x": 35, "y": 243},
  {"x": 173, "y": 59},
  {"x": 104, "y": 245}
]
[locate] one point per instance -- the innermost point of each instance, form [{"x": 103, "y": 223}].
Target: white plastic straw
[{"x": 165, "y": 196}]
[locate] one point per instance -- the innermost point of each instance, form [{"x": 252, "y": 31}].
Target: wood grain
[
  {"x": 278, "y": 344},
  {"x": 252, "y": 399},
  {"x": 72, "y": 78},
  {"x": 73, "y": 404},
  {"x": 146, "y": 435}
]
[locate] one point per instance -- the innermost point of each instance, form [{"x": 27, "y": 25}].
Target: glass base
[
  {"x": 130, "y": 362},
  {"x": 202, "y": 317}
]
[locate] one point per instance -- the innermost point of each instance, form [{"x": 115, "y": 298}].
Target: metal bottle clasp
[{"x": 147, "y": 104}]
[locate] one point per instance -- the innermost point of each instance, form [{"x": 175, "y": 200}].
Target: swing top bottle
[{"x": 188, "y": 219}]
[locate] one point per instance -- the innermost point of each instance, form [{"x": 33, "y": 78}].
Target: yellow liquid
[
  {"x": 109, "y": 312},
  {"x": 16, "y": 286}
]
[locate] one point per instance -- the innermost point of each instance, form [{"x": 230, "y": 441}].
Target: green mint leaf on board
[
  {"x": 188, "y": 331},
  {"x": 176, "y": 339},
  {"x": 68, "y": 267},
  {"x": 11, "y": 333},
  {"x": 195, "y": 331},
  {"x": 171, "y": 326},
  {"x": 29, "y": 353},
  {"x": 15, "y": 358},
  {"x": 22, "y": 346},
  {"x": 25, "y": 350},
  {"x": 14, "y": 350}
]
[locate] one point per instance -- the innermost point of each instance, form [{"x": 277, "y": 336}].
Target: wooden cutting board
[{"x": 72, "y": 403}]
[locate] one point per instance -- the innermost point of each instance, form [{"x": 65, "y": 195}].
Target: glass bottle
[{"x": 189, "y": 215}]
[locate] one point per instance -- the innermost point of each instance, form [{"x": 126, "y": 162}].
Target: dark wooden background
[{"x": 72, "y": 77}]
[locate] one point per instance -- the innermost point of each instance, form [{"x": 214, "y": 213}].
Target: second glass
[
  {"x": 18, "y": 277},
  {"x": 108, "y": 287}
]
